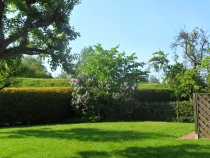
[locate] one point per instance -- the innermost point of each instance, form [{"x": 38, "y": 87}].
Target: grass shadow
[
  {"x": 183, "y": 151},
  {"x": 85, "y": 134}
]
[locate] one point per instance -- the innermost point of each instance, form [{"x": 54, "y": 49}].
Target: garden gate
[{"x": 202, "y": 115}]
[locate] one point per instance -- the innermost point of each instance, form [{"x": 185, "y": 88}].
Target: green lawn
[
  {"x": 38, "y": 82},
  {"x": 98, "y": 140}
]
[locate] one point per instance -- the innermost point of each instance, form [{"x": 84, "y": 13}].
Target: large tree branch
[
  {"x": 23, "y": 50},
  {"x": 25, "y": 30},
  {"x": 31, "y": 19},
  {"x": 28, "y": 27}
]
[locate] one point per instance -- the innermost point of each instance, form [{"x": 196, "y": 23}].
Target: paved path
[{"x": 188, "y": 136}]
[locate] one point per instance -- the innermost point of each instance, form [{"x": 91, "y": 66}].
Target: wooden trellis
[{"x": 202, "y": 115}]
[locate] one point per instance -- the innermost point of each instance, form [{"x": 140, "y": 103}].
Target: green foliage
[
  {"x": 192, "y": 75},
  {"x": 34, "y": 105},
  {"x": 8, "y": 68},
  {"x": 111, "y": 65},
  {"x": 205, "y": 65},
  {"x": 184, "y": 111},
  {"x": 159, "y": 61},
  {"x": 32, "y": 67},
  {"x": 194, "y": 45},
  {"x": 183, "y": 81},
  {"x": 105, "y": 78},
  {"x": 190, "y": 81},
  {"x": 37, "y": 27}
]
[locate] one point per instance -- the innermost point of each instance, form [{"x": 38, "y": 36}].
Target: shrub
[
  {"x": 34, "y": 106},
  {"x": 184, "y": 111},
  {"x": 102, "y": 80},
  {"x": 154, "y": 95}
]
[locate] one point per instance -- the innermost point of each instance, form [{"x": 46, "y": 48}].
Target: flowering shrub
[
  {"x": 96, "y": 101},
  {"x": 104, "y": 82}
]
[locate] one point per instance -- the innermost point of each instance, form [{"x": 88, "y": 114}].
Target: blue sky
[{"x": 138, "y": 26}]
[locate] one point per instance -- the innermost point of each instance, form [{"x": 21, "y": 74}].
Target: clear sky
[{"x": 138, "y": 26}]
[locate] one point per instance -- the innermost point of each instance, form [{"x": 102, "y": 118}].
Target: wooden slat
[
  {"x": 195, "y": 114},
  {"x": 203, "y": 133},
  {"x": 203, "y": 110},
  {"x": 202, "y": 114},
  {"x": 204, "y": 102}
]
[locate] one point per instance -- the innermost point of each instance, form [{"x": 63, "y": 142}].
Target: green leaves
[
  {"x": 159, "y": 61},
  {"x": 8, "y": 68},
  {"x": 194, "y": 45},
  {"x": 110, "y": 65},
  {"x": 38, "y": 27},
  {"x": 104, "y": 79},
  {"x": 191, "y": 75}
]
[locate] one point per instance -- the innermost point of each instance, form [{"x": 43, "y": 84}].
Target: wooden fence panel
[{"x": 202, "y": 115}]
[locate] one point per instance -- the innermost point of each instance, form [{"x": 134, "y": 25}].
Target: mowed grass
[
  {"x": 38, "y": 82},
  {"x": 98, "y": 140}
]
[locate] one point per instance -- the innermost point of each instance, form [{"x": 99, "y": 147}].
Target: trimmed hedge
[
  {"x": 155, "y": 95},
  {"x": 34, "y": 105},
  {"x": 22, "y": 106},
  {"x": 153, "y": 111}
]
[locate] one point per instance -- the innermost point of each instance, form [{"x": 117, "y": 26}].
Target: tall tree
[
  {"x": 36, "y": 27},
  {"x": 193, "y": 74},
  {"x": 195, "y": 46}
]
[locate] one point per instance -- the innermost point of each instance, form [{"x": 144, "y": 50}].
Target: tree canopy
[
  {"x": 35, "y": 27},
  {"x": 194, "y": 44},
  {"x": 110, "y": 65},
  {"x": 191, "y": 75}
]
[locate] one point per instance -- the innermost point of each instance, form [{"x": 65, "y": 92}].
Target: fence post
[{"x": 195, "y": 114}]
